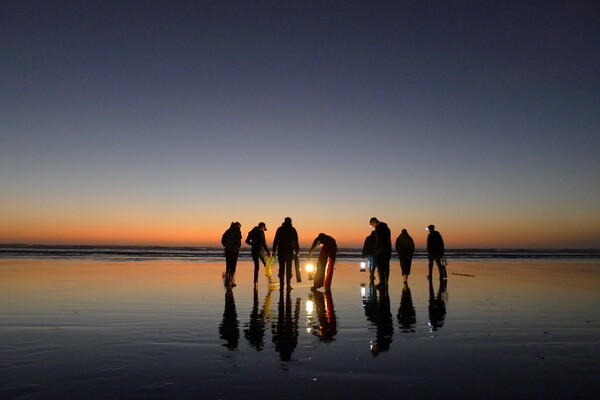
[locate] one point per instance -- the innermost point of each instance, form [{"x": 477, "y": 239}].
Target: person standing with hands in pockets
[{"x": 286, "y": 246}]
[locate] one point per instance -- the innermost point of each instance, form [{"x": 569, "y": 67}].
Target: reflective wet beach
[{"x": 168, "y": 329}]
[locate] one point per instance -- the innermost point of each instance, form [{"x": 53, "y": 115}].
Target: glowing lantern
[{"x": 310, "y": 269}]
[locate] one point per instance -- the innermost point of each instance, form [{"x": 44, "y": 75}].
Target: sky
[{"x": 161, "y": 122}]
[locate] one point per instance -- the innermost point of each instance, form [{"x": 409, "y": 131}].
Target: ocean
[{"x": 133, "y": 253}]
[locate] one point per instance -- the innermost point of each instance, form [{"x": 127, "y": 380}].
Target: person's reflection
[
  {"x": 437, "y": 305},
  {"x": 325, "y": 328},
  {"x": 378, "y": 312},
  {"x": 407, "y": 317},
  {"x": 229, "y": 328},
  {"x": 254, "y": 330},
  {"x": 285, "y": 331}
]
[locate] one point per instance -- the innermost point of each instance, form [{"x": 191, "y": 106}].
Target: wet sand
[{"x": 168, "y": 329}]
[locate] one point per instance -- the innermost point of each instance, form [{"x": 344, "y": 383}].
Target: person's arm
[
  {"x": 224, "y": 239},
  {"x": 276, "y": 241},
  {"x": 313, "y": 247},
  {"x": 249, "y": 238},
  {"x": 296, "y": 244},
  {"x": 364, "y": 250}
]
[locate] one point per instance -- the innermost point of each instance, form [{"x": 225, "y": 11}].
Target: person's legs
[
  {"x": 281, "y": 273},
  {"x": 255, "y": 260},
  {"x": 320, "y": 272},
  {"x": 288, "y": 270},
  {"x": 430, "y": 256},
  {"x": 329, "y": 271},
  {"x": 405, "y": 263},
  {"x": 371, "y": 262},
  {"x": 383, "y": 269},
  {"x": 231, "y": 263},
  {"x": 441, "y": 267}
]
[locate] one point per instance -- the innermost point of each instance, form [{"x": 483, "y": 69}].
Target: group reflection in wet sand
[
  {"x": 283, "y": 323},
  {"x": 437, "y": 305},
  {"x": 376, "y": 303},
  {"x": 325, "y": 327},
  {"x": 321, "y": 319}
]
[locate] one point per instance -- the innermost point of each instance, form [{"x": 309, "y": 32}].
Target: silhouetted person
[
  {"x": 437, "y": 305},
  {"x": 383, "y": 250},
  {"x": 325, "y": 328},
  {"x": 285, "y": 331},
  {"x": 407, "y": 316},
  {"x": 286, "y": 245},
  {"x": 378, "y": 312},
  {"x": 259, "y": 250},
  {"x": 405, "y": 246},
  {"x": 254, "y": 330},
  {"x": 229, "y": 328},
  {"x": 435, "y": 252},
  {"x": 368, "y": 252},
  {"x": 232, "y": 241},
  {"x": 326, "y": 261}
]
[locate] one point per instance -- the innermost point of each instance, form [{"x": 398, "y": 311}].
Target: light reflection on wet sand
[{"x": 169, "y": 329}]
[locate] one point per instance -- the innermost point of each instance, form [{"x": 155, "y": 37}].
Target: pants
[
  {"x": 437, "y": 257},
  {"x": 405, "y": 263},
  {"x": 231, "y": 259},
  {"x": 383, "y": 267},
  {"x": 258, "y": 255},
  {"x": 285, "y": 268},
  {"x": 371, "y": 264},
  {"x": 325, "y": 266}
]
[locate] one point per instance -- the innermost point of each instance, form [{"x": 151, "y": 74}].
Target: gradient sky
[{"x": 159, "y": 122}]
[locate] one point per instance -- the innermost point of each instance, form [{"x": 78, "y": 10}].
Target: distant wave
[{"x": 132, "y": 253}]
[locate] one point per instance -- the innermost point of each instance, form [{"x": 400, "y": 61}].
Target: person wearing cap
[
  {"x": 259, "y": 250},
  {"x": 232, "y": 241},
  {"x": 326, "y": 261},
  {"x": 383, "y": 250},
  {"x": 435, "y": 252},
  {"x": 285, "y": 244}
]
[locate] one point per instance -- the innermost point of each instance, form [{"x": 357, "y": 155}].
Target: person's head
[
  {"x": 404, "y": 232},
  {"x": 287, "y": 220},
  {"x": 431, "y": 228},
  {"x": 262, "y": 226},
  {"x": 373, "y": 222},
  {"x": 237, "y": 225}
]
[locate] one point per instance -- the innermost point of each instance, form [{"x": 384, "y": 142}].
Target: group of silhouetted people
[
  {"x": 377, "y": 250},
  {"x": 287, "y": 250}
]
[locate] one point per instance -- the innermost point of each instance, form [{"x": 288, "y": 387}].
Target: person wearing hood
[
  {"x": 231, "y": 241},
  {"x": 326, "y": 261},
  {"x": 286, "y": 246},
  {"x": 405, "y": 246},
  {"x": 259, "y": 250},
  {"x": 383, "y": 250}
]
